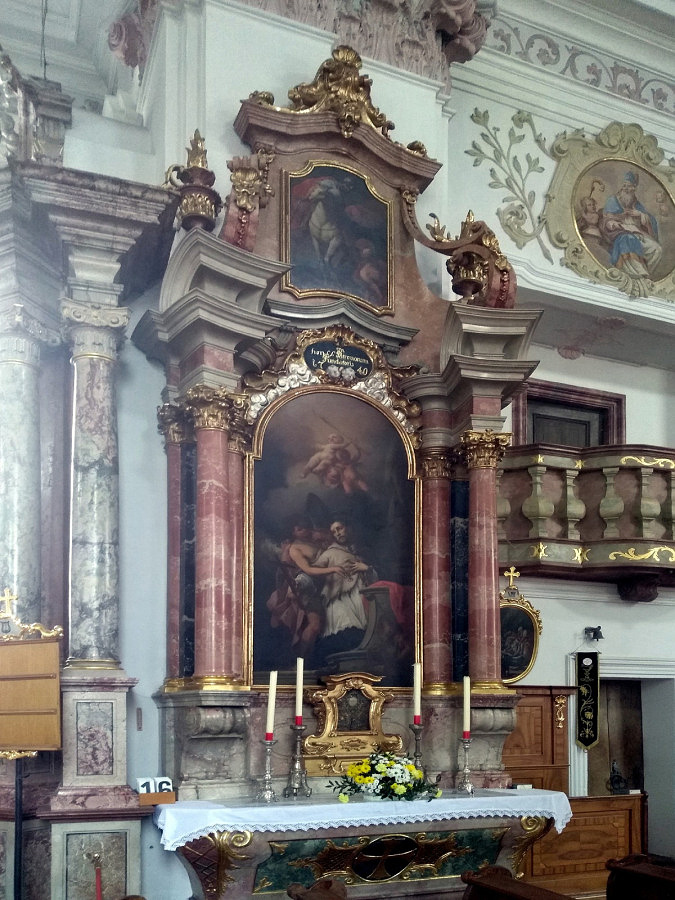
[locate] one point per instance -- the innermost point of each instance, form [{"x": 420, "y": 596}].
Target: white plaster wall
[
  {"x": 143, "y": 587},
  {"x": 649, "y": 392}
]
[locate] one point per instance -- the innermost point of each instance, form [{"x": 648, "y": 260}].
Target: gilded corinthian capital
[
  {"x": 174, "y": 423},
  {"x": 208, "y": 407},
  {"x": 435, "y": 463},
  {"x": 483, "y": 449}
]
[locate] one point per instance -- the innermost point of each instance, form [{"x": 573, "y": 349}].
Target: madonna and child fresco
[
  {"x": 625, "y": 217},
  {"x": 334, "y": 516}
]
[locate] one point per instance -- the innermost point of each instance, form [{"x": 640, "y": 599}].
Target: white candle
[
  {"x": 300, "y": 668},
  {"x": 466, "y": 725},
  {"x": 271, "y": 703},
  {"x": 417, "y": 693}
]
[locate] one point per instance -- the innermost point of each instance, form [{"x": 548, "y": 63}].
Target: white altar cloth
[{"x": 188, "y": 820}]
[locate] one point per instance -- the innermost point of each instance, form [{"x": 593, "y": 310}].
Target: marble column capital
[
  {"x": 21, "y": 335},
  {"x": 175, "y": 424},
  {"x": 435, "y": 462},
  {"x": 216, "y": 408},
  {"x": 483, "y": 449},
  {"x": 94, "y": 330}
]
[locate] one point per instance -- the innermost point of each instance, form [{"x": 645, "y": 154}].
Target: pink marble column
[
  {"x": 218, "y": 604},
  {"x": 176, "y": 432},
  {"x": 437, "y": 613},
  {"x": 482, "y": 451}
]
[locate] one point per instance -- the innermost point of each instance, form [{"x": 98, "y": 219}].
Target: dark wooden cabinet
[{"x": 602, "y": 828}]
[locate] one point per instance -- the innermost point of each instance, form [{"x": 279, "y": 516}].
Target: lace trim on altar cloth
[{"x": 186, "y": 821}]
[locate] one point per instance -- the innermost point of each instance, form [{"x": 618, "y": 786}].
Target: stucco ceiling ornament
[{"x": 611, "y": 208}]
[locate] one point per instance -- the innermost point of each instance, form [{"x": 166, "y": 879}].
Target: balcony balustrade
[{"x": 598, "y": 513}]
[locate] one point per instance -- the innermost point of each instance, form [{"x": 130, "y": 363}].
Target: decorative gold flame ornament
[{"x": 199, "y": 202}]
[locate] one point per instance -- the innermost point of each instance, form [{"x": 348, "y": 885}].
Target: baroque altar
[{"x": 419, "y": 848}]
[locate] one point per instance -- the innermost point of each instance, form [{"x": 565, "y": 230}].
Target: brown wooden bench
[
  {"x": 641, "y": 877},
  {"x": 497, "y": 883}
]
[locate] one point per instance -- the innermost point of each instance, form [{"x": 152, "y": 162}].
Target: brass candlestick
[
  {"x": 266, "y": 792},
  {"x": 417, "y": 731},
  {"x": 297, "y": 777},
  {"x": 465, "y": 785}
]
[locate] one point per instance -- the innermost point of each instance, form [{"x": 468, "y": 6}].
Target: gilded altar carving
[
  {"x": 435, "y": 463},
  {"x": 214, "y": 856},
  {"x": 335, "y": 356},
  {"x": 349, "y": 724}
]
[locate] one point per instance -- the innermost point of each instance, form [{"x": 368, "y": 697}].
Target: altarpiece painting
[{"x": 334, "y": 513}]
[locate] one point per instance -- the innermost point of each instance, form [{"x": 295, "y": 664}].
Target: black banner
[{"x": 588, "y": 689}]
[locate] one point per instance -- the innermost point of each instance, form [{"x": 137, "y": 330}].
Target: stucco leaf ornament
[{"x": 511, "y": 174}]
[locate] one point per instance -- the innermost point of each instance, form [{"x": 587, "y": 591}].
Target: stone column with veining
[
  {"x": 20, "y": 540},
  {"x": 95, "y": 332},
  {"x": 218, "y": 594},
  {"x": 435, "y": 551},
  {"x": 482, "y": 450}
]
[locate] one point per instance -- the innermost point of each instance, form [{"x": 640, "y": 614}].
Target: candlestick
[
  {"x": 465, "y": 785},
  {"x": 266, "y": 791},
  {"x": 416, "y": 729},
  {"x": 271, "y": 703},
  {"x": 466, "y": 724},
  {"x": 417, "y": 693},
  {"x": 299, "y": 675},
  {"x": 297, "y": 776}
]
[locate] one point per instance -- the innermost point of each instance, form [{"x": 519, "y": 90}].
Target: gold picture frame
[
  {"x": 337, "y": 236},
  {"x": 521, "y": 628},
  {"x": 611, "y": 207}
]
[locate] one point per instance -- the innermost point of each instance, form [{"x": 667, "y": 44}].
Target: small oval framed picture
[{"x": 521, "y": 627}]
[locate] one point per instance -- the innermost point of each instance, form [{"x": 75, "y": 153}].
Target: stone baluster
[
  {"x": 437, "y": 613},
  {"x": 95, "y": 332},
  {"x": 649, "y": 506},
  {"x": 482, "y": 450},
  {"x": 611, "y": 505},
  {"x": 20, "y": 543},
  {"x": 575, "y": 508},
  {"x": 668, "y": 509},
  {"x": 538, "y": 508}
]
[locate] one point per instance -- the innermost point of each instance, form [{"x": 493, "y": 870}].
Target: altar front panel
[{"x": 417, "y": 848}]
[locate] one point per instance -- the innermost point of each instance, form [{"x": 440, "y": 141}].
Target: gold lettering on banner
[{"x": 483, "y": 449}]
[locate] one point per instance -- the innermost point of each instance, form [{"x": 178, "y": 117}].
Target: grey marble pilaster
[
  {"x": 95, "y": 332},
  {"x": 20, "y": 339}
]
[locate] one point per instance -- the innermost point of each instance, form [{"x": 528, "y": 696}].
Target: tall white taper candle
[
  {"x": 466, "y": 724},
  {"x": 417, "y": 693},
  {"x": 271, "y": 703},
  {"x": 299, "y": 675}
]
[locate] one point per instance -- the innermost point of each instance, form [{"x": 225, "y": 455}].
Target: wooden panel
[
  {"x": 536, "y": 751},
  {"x": 601, "y": 828},
  {"x": 30, "y": 696}
]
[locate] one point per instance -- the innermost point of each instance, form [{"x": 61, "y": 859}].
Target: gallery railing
[{"x": 594, "y": 513}]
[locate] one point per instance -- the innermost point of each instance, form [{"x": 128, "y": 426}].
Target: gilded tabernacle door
[{"x": 333, "y": 512}]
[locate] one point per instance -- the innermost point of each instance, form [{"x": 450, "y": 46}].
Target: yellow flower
[
  {"x": 398, "y": 788},
  {"x": 343, "y": 798},
  {"x": 439, "y": 793}
]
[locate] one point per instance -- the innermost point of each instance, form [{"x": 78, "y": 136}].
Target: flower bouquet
[{"x": 385, "y": 776}]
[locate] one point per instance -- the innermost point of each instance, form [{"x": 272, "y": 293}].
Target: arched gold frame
[
  {"x": 266, "y": 414},
  {"x": 511, "y": 600}
]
